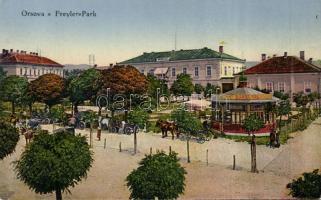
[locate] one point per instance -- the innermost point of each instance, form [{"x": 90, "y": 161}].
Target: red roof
[
  {"x": 281, "y": 64},
  {"x": 24, "y": 58}
]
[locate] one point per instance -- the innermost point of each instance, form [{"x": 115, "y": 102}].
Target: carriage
[{"x": 205, "y": 134}]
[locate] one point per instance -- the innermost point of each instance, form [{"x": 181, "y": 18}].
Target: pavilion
[{"x": 231, "y": 108}]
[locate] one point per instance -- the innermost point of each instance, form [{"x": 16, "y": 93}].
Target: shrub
[
  {"x": 9, "y": 138},
  {"x": 308, "y": 186},
  {"x": 158, "y": 175}
]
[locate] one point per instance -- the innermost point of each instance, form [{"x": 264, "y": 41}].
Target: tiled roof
[
  {"x": 24, "y": 58},
  {"x": 281, "y": 64},
  {"x": 190, "y": 54}
]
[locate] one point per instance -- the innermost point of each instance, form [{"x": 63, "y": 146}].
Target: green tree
[
  {"x": 9, "y": 138},
  {"x": 211, "y": 89},
  {"x": 308, "y": 186},
  {"x": 13, "y": 89},
  {"x": 54, "y": 162},
  {"x": 90, "y": 117},
  {"x": 3, "y": 74},
  {"x": 183, "y": 85},
  {"x": 156, "y": 85},
  {"x": 48, "y": 89},
  {"x": 187, "y": 124},
  {"x": 158, "y": 175},
  {"x": 84, "y": 87},
  {"x": 251, "y": 124},
  {"x": 284, "y": 108},
  {"x": 138, "y": 117},
  {"x": 198, "y": 88}
]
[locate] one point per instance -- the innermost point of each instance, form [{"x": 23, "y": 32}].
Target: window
[
  {"x": 209, "y": 71},
  {"x": 21, "y": 71},
  {"x": 269, "y": 86},
  {"x": 43, "y": 71},
  {"x": 233, "y": 70},
  {"x": 26, "y": 71},
  {"x": 38, "y": 72},
  {"x": 30, "y": 72},
  {"x": 225, "y": 71},
  {"x": 196, "y": 71},
  {"x": 34, "y": 72},
  {"x": 173, "y": 72},
  {"x": 307, "y": 86},
  {"x": 142, "y": 71},
  {"x": 184, "y": 70},
  {"x": 281, "y": 86}
]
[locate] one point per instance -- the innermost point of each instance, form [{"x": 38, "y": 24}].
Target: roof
[
  {"x": 24, "y": 58},
  {"x": 281, "y": 64},
  {"x": 191, "y": 54},
  {"x": 244, "y": 95}
]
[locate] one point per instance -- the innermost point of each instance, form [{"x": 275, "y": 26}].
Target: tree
[
  {"x": 198, "y": 88},
  {"x": 13, "y": 89},
  {"x": 253, "y": 123},
  {"x": 158, "y": 175},
  {"x": 90, "y": 117},
  {"x": 3, "y": 74},
  {"x": 284, "y": 108},
  {"x": 48, "y": 89},
  {"x": 211, "y": 89},
  {"x": 183, "y": 85},
  {"x": 156, "y": 87},
  {"x": 308, "y": 186},
  {"x": 54, "y": 162},
  {"x": 138, "y": 117},
  {"x": 126, "y": 81},
  {"x": 84, "y": 87},
  {"x": 187, "y": 124},
  {"x": 9, "y": 138}
]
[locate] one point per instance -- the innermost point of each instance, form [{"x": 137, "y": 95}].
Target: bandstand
[{"x": 230, "y": 109}]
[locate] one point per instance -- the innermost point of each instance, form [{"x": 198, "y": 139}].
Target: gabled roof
[
  {"x": 24, "y": 58},
  {"x": 281, "y": 64},
  {"x": 190, "y": 54}
]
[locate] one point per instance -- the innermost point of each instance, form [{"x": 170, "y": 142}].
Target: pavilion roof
[{"x": 244, "y": 95}]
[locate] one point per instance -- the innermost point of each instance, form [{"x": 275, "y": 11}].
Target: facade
[
  {"x": 287, "y": 74},
  {"x": 204, "y": 65},
  {"x": 231, "y": 108},
  {"x": 29, "y": 65}
]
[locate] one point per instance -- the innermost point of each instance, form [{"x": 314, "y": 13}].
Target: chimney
[
  {"x": 310, "y": 60},
  {"x": 36, "y": 54},
  {"x": 285, "y": 54},
  {"x": 11, "y": 50},
  {"x": 302, "y": 55},
  {"x": 3, "y": 51},
  {"x": 111, "y": 65},
  {"x": 220, "y": 49},
  {"x": 274, "y": 55},
  {"x": 17, "y": 51},
  {"x": 263, "y": 56}
]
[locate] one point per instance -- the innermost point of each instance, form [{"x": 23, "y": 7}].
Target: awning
[{"x": 161, "y": 71}]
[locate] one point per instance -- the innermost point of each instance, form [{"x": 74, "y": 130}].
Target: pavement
[{"x": 106, "y": 178}]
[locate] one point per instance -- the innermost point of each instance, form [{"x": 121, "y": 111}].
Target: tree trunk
[
  {"x": 72, "y": 109},
  {"x": 99, "y": 124},
  {"x": 13, "y": 107},
  {"x": 253, "y": 155},
  {"x": 187, "y": 145},
  {"x": 126, "y": 115},
  {"x": 135, "y": 142},
  {"x": 280, "y": 123},
  {"x": 30, "y": 108},
  {"x": 91, "y": 135},
  {"x": 58, "y": 194}
]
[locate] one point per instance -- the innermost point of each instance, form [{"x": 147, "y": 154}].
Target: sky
[{"x": 123, "y": 29}]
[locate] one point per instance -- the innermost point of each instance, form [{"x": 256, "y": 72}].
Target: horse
[
  {"x": 167, "y": 126},
  {"x": 27, "y": 133}
]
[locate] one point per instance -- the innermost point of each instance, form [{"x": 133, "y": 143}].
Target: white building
[
  {"x": 29, "y": 65},
  {"x": 204, "y": 65}
]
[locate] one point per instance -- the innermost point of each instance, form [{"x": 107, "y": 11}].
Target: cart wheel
[
  {"x": 201, "y": 139},
  {"x": 128, "y": 130},
  {"x": 82, "y": 125}
]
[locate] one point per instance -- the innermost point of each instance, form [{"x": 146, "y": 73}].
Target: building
[
  {"x": 204, "y": 65},
  {"x": 287, "y": 74},
  {"x": 231, "y": 109},
  {"x": 29, "y": 65}
]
